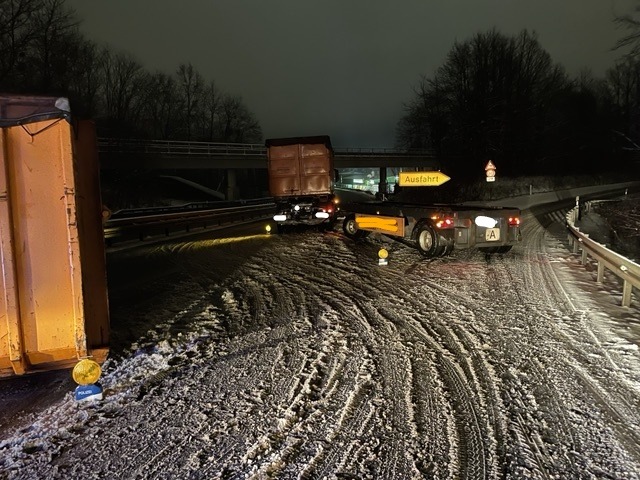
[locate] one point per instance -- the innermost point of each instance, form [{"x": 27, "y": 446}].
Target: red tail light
[
  {"x": 446, "y": 222},
  {"x": 325, "y": 208},
  {"x": 514, "y": 221}
]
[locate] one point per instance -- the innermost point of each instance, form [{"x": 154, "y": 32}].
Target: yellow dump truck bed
[{"x": 53, "y": 289}]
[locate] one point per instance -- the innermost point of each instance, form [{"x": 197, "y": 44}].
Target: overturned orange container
[{"x": 53, "y": 289}]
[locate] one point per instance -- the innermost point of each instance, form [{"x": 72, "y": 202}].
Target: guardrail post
[
  {"x": 584, "y": 252},
  {"x": 600, "y": 276},
  {"x": 626, "y": 294}
]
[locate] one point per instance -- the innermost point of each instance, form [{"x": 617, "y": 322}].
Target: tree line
[
  {"x": 42, "y": 51},
  {"x": 502, "y": 98}
]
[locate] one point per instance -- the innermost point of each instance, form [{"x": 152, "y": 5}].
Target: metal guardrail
[
  {"x": 186, "y": 207},
  {"x": 153, "y": 226},
  {"x": 620, "y": 266}
]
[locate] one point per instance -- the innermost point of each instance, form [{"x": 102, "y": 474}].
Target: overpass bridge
[
  {"x": 169, "y": 155},
  {"x": 160, "y": 154}
]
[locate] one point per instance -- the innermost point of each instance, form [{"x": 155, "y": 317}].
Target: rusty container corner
[{"x": 54, "y": 304}]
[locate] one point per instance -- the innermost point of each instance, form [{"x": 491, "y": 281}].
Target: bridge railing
[
  {"x": 394, "y": 152},
  {"x": 176, "y": 147},
  {"x": 180, "y": 147}
]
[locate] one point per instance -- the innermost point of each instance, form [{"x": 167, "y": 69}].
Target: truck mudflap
[{"x": 53, "y": 305}]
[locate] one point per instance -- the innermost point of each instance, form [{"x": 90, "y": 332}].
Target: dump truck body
[
  {"x": 54, "y": 303},
  {"x": 301, "y": 180}
]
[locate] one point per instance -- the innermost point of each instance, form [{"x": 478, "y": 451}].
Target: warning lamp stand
[
  {"x": 382, "y": 256},
  {"x": 86, "y": 373}
]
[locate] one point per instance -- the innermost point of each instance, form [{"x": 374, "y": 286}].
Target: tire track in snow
[
  {"x": 291, "y": 289},
  {"x": 395, "y": 452},
  {"x": 473, "y": 462}
]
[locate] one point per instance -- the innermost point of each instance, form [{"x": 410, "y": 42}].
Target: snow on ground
[{"x": 298, "y": 356}]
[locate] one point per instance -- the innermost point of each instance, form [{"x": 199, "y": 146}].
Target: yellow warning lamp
[
  {"x": 86, "y": 372},
  {"x": 106, "y": 214},
  {"x": 268, "y": 228},
  {"x": 383, "y": 253}
]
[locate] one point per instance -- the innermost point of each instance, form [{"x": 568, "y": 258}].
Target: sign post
[{"x": 490, "y": 169}]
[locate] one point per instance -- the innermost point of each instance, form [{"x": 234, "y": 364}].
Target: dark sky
[{"x": 339, "y": 67}]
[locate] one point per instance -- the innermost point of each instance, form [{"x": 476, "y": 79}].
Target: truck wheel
[
  {"x": 427, "y": 240},
  {"x": 350, "y": 228}
]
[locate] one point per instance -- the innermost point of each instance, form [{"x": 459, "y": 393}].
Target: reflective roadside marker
[
  {"x": 86, "y": 373},
  {"x": 382, "y": 256}
]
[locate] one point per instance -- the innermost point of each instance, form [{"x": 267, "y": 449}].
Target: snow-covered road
[{"x": 298, "y": 356}]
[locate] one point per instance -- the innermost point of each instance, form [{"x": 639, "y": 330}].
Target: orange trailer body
[{"x": 53, "y": 287}]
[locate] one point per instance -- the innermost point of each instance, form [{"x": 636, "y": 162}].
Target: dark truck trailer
[
  {"x": 301, "y": 180},
  {"x": 436, "y": 230}
]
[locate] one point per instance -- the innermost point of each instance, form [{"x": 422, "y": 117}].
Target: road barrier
[
  {"x": 620, "y": 266},
  {"x": 146, "y": 223}
]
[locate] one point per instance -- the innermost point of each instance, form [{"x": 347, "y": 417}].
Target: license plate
[{"x": 492, "y": 234}]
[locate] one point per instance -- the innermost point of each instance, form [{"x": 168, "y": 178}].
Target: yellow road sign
[{"x": 422, "y": 179}]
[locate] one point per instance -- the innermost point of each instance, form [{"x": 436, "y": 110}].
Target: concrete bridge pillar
[
  {"x": 233, "y": 192},
  {"x": 382, "y": 186}
]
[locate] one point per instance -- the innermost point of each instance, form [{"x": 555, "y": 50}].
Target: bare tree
[
  {"x": 419, "y": 127},
  {"x": 190, "y": 85},
  {"x": 623, "y": 80},
  {"x": 56, "y": 27},
  {"x": 631, "y": 23},
  {"x": 83, "y": 77},
  {"x": 237, "y": 124},
  {"x": 161, "y": 107},
  {"x": 17, "y": 32},
  {"x": 212, "y": 99},
  {"x": 123, "y": 79}
]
